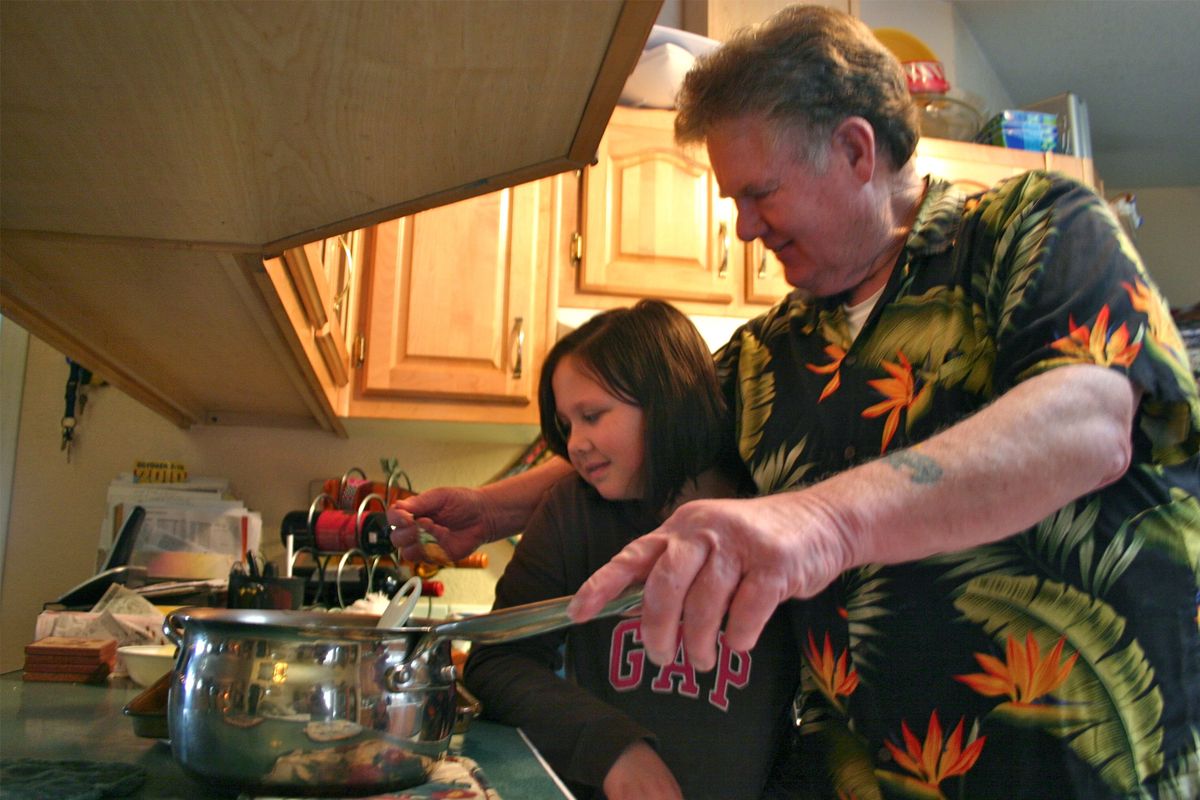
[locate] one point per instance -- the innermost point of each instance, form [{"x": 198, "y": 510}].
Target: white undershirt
[{"x": 857, "y": 314}]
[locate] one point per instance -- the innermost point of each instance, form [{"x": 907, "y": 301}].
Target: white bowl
[{"x": 146, "y": 663}]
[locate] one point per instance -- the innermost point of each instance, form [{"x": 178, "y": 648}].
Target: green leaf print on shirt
[
  {"x": 780, "y": 470},
  {"x": 1174, "y": 528},
  {"x": 1110, "y": 687},
  {"x": 945, "y": 345},
  {"x": 757, "y": 393},
  {"x": 1050, "y": 548},
  {"x": 1004, "y": 286}
]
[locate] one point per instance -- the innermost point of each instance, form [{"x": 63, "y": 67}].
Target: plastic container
[{"x": 1021, "y": 130}]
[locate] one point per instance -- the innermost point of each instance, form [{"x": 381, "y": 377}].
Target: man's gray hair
[{"x": 805, "y": 70}]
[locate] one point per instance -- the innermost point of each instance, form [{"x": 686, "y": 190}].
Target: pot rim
[{"x": 277, "y": 622}]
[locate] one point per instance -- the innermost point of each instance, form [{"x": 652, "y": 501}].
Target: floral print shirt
[{"x": 1063, "y": 661}]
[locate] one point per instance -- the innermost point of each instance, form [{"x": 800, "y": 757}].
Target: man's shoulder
[{"x": 1017, "y": 194}]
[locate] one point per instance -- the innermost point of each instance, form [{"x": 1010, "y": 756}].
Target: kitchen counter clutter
[{"x": 80, "y": 722}]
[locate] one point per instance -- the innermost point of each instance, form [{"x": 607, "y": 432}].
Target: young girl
[{"x": 631, "y": 399}]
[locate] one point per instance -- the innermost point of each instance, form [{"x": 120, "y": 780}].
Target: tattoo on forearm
[{"x": 923, "y": 469}]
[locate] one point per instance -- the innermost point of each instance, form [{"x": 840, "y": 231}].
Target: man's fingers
[
  {"x": 704, "y": 611},
  {"x": 413, "y": 552},
  {"x": 668, "y": 585},
  {"x": 751, "y": 609},
  {"x": 626, "y": 568}
]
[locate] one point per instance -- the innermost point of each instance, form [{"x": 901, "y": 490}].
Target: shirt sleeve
[
  {"x": 1065, "y": 285},
  {"x": 519, "y": 683}
]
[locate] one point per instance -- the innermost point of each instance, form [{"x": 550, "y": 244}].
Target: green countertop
[{"x": 79, "y": 721}]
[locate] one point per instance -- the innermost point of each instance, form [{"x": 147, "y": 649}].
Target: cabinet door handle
[
  {"x": 723, "y": 236},
  {"x": 519, "y": 337},
  {"x": 762, "y": 264},
  {"x": 339, "y": 300}
]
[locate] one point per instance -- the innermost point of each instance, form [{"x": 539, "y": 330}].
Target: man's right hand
[
  {"x": 457, "y": 517},
  {"x": 461, "y": 519}
]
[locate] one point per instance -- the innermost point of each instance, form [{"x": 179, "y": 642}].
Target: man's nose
[{"x": 750, "y": 225}]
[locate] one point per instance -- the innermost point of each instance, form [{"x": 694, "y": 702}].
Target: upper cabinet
[
  {"x": 651, "y": 223},
  {"x": 718, "y": 19},
  {"x": 455, "y": 313},
  {"x": 161, "y": 164},
  {"x": 976, "y": 167},
  {"x": 322, "y": 275}
]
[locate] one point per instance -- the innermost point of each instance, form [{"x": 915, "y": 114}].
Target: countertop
[{"x": 80, "y": 721}]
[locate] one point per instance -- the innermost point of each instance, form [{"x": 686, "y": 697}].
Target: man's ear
[{"x": 854, "y": 141}]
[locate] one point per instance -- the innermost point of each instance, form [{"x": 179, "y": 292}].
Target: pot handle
[
  {"x": 173, "y": 631},
  {"x": 530, "y": 619},
  {"x": 515, "y": 622}
]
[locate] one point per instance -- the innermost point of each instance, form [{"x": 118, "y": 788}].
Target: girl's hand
[{"x": 639, "y": 774}]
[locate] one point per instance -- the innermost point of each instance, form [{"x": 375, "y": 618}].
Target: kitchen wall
[
  {"x": 56, "y": 506},
  {"x": 1169, "y": 239}
]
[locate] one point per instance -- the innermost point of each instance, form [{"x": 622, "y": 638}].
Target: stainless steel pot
[{"x": 310, "y": 703}]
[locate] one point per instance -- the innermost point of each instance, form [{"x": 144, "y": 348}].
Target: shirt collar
[{"x": 937, "y": 219}]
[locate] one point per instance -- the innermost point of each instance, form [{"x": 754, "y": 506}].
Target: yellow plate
[{"x": 904, "y": 45}]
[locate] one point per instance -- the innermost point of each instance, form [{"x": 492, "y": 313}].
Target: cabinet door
[
  {"x": 322, "y": 275},
  {"x": 654, "y": 224},
  {"x": 453, "y": 299},
  {"x": 765, "y": 281},
  {"x": 974, "y": 167}
]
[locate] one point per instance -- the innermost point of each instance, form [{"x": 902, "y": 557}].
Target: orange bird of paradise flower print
[
  {"x": 933, "y": 761},
  {"x": 1147, "y": 301},
  {"x": 832, "y": 368},
  {"x": 1024, "y": 676},
  {"x": 898, "y": 390},
  {"x": 1095, "y": 345},
  {"x": 831, "y": 674}
]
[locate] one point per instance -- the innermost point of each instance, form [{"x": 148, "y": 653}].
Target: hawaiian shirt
[{"x": 1063, "y": 661}]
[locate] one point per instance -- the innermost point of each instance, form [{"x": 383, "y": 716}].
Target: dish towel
[
  {"x": 51, "y": 779},
  {"x": 456, "y": 777}
]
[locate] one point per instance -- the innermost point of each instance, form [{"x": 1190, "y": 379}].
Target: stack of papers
[{"x": 192, "y": 530}]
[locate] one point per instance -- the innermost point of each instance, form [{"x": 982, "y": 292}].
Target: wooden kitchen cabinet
[
  {"x": 765, "y": 281},
  {"x": 651, "y": 223},
  {"x": 976, "y": 167},
  {"x": 455, "y": 314},
  {"x": 321, "y": 278},
  {"x": 160, "y": 237}
]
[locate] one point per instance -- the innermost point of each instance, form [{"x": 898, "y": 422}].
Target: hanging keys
[
  {"x": 68, "y": 436},
  {"x": 76, "y": 394}
]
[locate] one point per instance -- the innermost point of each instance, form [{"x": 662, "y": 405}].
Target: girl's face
[{"x": 605, "y": 435}]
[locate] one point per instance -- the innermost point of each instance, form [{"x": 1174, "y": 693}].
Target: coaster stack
[{"x": 70, "y": 659}]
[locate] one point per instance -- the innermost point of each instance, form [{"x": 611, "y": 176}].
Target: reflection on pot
[{"x": 300, "y": 701}]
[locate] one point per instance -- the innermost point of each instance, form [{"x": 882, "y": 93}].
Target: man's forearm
[
  {"x": 512, "y": 501},
  {"x": 1049, "y": 440}
]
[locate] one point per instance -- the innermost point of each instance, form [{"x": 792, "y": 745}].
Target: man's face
[{"x": 809, "y": 217}]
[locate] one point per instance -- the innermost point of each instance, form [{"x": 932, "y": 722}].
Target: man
[{"x": 975, "y": 433}]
